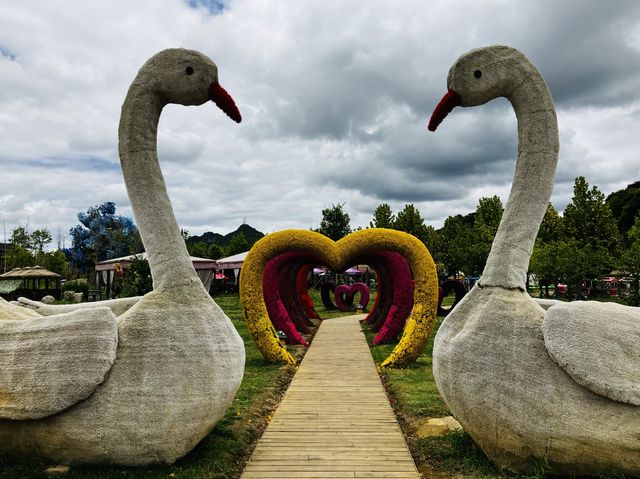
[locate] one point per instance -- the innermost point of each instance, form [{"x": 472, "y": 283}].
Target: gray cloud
[{"x": 335, "y": 98}]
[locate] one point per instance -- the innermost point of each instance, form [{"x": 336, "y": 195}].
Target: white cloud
[{"x": 335, "y": 98}]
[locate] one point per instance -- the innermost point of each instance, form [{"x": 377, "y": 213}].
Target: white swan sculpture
[
  {"x": 85, "y": 387},
  {"x": 531, "y": 386}
]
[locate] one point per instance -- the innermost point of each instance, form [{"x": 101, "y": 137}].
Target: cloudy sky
[{"x": 335, "y": 97}]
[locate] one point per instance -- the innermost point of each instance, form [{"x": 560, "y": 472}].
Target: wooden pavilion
[{"x": 33, "y": 282}]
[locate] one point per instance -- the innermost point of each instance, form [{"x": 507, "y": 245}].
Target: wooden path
[{"x": 335, "y": 420}]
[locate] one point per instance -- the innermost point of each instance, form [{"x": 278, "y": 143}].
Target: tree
[
  {"x": 137, "y": 279},
  {"x": 21, "y": 237},
  {"x": 238, "y": 244},
  {"x": 335, "y": 222},
  {"x": 102, "y": 235},
  {"x": 411, "y": 221},
  {"x": 560, "y": 262},
  {"x": 485, "y": 226},
  {"x": 487, "y": 219},
  {"x": 630, "y": 262},
  {"x": 39, "y": 239},
  {"x": 19, "y": 257},
  {"x": 56, "y": 261},
  {"x": 455, "y": 237},
  {"x": 383, "y": 217},
  {"x": 588, "y": 220},
  {"x": 551, "y": 228},
  {"x": 625, "y": 206}
]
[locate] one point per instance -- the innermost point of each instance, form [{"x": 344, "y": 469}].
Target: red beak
[
  {"x": 220, "y": 97},
  {"x": 449, "y": 101}
]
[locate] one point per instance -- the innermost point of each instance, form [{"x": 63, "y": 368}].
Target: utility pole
[{"x": 4, "y": 244}]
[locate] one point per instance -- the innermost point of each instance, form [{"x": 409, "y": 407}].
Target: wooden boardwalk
[{"x": 335, "y": 420}]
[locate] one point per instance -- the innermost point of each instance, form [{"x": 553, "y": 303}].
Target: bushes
[
  {"x": 137, "y": 279},
  {"x": 78, "y": 285}
]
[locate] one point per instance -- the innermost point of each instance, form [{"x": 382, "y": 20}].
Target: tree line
[
  {"x": 592, "y": 238},
  {"x": 102, "y": 235}
]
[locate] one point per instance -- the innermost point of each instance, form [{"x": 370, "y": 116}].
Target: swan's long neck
[
  {"x": 532, "y": 185},
  {"x": 168, "y": 257}
]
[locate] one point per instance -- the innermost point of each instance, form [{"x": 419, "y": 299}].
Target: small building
[
  {"x": 228, "y": 273},
  {"x": 106, "y": 270},
  {"x": 33, "y": 282}
]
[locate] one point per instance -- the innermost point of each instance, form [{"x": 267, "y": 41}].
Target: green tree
[
  {"x": 383, "y": 217},
  {"x": 39, "y": 239},
  {"x": 21, "y": 237},
  {"x": 588, "y": 220},
  {"x": 335, "y": 222},
  {"x": 56, "y": 261},
  {"x": 625, "y": 206},
  {"x": 485, "y": 225},
  {"x": 630, "y": 262},
  {"x": 238, "y": 244},
  {"x": 411, "y": 221},
  {"x": 214, "y": 251},
  {"x": 551, "y": 228},
  {"x": 487, "y": 219},
  {"x": 560, "y": 262},
  {"x": 19, "y": 257},
  {"x": 199, "y": 249},
  {"x": 137, "y": 279},
  {"x": 454, "y": 239}
]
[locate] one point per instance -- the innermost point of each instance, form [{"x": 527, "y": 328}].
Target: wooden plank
[{"x": 335, "y": 419}]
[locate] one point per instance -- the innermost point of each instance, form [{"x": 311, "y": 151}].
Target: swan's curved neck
[
  {"x": 532, "y": 185},
  {"x": 168, "y": 257}
]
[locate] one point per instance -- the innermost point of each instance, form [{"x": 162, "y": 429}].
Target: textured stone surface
[
  {"x": 436, "y": 426},
  {"x": 10, "y": 311},
  {"x": 49, "y": 364},
  {"x": 118, "y": 306},
  {"x": 490, "y": 361},
  {"x": 598, "y": 345},
  {"x": 547, "y": 303},
  {"x": 179, "y": 360}
]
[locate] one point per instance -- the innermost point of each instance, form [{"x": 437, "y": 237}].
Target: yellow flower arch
[{"x": 338, "y": 255}]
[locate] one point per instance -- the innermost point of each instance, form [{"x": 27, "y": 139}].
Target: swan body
[
  {"x": 178, "y": 361},
  {"x": 534, "y": 384}
]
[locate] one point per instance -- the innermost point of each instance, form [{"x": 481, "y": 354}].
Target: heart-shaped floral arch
[{"x": 337, "y": 256}]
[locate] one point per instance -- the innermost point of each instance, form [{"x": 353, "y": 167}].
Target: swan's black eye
[
  {"x": 189, "y": 71},
  {"x": 477, "y": 73}
]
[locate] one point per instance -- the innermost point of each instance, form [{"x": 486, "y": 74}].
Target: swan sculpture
[
  {"x": 85, "y": 387},
  {"x": 532, "y": 386}
]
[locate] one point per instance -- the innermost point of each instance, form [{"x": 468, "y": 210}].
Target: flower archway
[{"x": 372, "y": 243}]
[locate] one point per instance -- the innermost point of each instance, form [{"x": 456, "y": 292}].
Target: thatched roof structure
[{"x": 30, "y": 272}]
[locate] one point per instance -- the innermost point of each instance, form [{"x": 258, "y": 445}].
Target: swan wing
[
  {"x": 11, "y": 311},
  {"x": 598, "y": 345},
  {"x": 47, "y": 364}
]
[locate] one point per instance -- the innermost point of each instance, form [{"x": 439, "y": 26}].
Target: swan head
[
  {"x": 186, "y": 77},
  {"x": 479, "y": 76}
]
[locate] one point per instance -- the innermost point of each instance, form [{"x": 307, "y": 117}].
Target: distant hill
[{"x": 250, "y": 233}]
